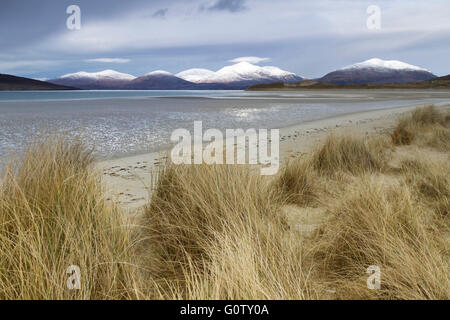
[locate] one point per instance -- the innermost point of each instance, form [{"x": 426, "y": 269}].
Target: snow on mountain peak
[
  {"x": 245, "y": 71},
  {"x": 376, "y": 63},
  {"x": 195, "y": 75},
  {"x": 105, "y": 74},
  {"x": 158, "y": 73},
  {"x": 238, "y": 72},
  {"x": 275, "y": 71}
]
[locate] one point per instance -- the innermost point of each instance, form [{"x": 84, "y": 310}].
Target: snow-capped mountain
[
  {"x": 159, "y": 80},
  {"x": 105, "y": 74},
  {"x": 106, "y": 79},
  {"x": 378, "y": 71},
  {"x": 195, "y": 75},
  {"x": 242, "y": 73},
  {"x": 237, "y": 76},
  {"x": 380, "y": 64},
  {"x": 158, "y": 73}
]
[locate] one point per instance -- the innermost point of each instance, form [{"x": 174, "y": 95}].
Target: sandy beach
[{"x": 128, "y": 179}]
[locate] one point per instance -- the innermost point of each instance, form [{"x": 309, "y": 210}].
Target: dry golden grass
[
  {"x": 427, "y": 125},
  {"x": 347, "y": 153},
  {"x": 404, "y": 133},
  {"x": 430, "y": 180},
  {"x": 381, "y": 224},
  {"x": 428, "y": 115},
  {"x": 297, "y": 182},
  {"x": 220, "y": 232},
  {"x": 53, "y": 215},
  {"x": 217, "y": 232},
  {"x": 435, "y": 136}
]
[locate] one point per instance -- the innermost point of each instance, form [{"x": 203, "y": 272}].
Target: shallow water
[{"x": 120, "y": 123}]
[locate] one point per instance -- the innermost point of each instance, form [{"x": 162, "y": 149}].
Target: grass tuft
[
  {"x": 218, "y": 232},
  {"x": 427, "y": 125},
  {"x": 430, "y": 180},
  {"x": 297, "y": 181},
  {"x": 382, "y": 225},
  {"x": 346, "y": 153},
  {"x": 53, "y": 215}
]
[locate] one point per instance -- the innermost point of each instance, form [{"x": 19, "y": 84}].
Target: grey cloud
[
  {"x": 161, "y": 13},
  {"x": 226, "y": 5}
]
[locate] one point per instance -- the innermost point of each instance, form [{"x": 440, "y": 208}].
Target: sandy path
[{"x": 128, "y": 179}]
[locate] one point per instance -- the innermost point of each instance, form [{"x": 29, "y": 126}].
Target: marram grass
[{"x": 222, "y": 232}]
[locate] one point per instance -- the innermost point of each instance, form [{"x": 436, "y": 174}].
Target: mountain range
[{"x": 237, "y": 76}]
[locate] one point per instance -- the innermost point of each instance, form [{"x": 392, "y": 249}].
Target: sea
[{"x": 121, "y": 123}]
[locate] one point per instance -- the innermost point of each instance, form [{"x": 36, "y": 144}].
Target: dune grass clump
[
  {"x": 53, "y": 215},
  {"x": 382, "y": 225},
  {"x": 404, "y": 132},
  {"x": 437, "y": 137},
  {"x": 428, "y": 115},
  {"x": 217, "y": 232},
  {"x": 346, "y": 153},
  {"x": 297, "y": 181},
  {"x": 431, "y": 182},
  {"x": 191, "y": 204},
  {"x": 426, "y": 122}
]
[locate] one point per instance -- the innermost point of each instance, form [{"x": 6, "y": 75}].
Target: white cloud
[
  {"x": 294, "y": 20},
  {"x": 109, "y": 60},
  {"x": 254, "y": 60}
]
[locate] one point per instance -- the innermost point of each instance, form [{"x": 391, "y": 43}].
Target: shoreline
[{"x": 127, "y": 179}]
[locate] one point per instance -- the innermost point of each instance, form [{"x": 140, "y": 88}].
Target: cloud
[
  {"x": 161, "y": 13},
  {"x": 134, "y": 31},
  {"x": 26, "y": 65},
  {"x": 109, "y": 60},
  {"x": 249, "y": 60},
  {"x": 226, "y": 5},
  {"x": 296, "y": 35}
]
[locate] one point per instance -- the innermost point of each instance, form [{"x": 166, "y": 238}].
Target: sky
[{"x": 310, "y": 38}]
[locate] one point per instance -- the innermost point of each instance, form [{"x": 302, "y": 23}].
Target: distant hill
[
  {"x": 9, "y": 82},
  {"x": 378, "y": 71},
  {"x": 437, "y": 83},
  {"x": 159, "y": 80},
  {"x": 103, "y": 80}
]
